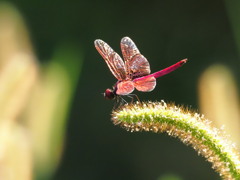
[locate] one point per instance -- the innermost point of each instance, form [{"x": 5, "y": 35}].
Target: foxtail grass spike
[{"x": 191, "y": 128}]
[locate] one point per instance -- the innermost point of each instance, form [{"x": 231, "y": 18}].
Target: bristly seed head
[{"x": 190, "y": 127}]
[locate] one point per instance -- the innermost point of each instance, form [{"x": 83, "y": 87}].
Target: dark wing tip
[
  {"x": 124, "y": 39},
  {"x": 97, "y": 42}
]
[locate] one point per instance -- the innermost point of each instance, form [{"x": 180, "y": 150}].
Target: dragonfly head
[{"x": 109, "y": 94}]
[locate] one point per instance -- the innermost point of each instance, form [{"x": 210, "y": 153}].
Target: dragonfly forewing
[
  {"x": 125, "y": 87},
  {"x": 113, "y": 60}
]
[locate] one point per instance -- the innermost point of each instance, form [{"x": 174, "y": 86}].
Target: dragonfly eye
[{"x": 108, "y": 94}]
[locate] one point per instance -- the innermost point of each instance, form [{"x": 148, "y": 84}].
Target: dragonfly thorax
[{"x": 109, "y": 94}]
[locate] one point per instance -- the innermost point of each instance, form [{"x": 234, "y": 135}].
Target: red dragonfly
[{"x": 133, "y": 72}]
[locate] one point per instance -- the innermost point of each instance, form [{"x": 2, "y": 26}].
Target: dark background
[{"x": 165, "y": 31}]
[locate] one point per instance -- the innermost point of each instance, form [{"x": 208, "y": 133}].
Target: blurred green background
[{"x": 165, "y": 32}]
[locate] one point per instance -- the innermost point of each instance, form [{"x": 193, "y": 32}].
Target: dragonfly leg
[
  {"x": 132, "y": 97},
  {"x": 119, "y": 102},
  {"x": 123, "y": 101}
]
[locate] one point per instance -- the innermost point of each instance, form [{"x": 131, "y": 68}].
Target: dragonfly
[{"x": 133, "y": 72}]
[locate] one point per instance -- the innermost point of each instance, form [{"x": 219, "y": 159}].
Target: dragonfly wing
[
  {"x": 113, "y": 60},
  {"x": 137, "y": 65},
  {"x": 145, "y": 84},
  {"x": 129, "y": 49},
  {"x": 125, "y": 87}
]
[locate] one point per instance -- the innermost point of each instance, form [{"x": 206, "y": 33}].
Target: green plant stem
[{"x": 191, "y": 128}]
